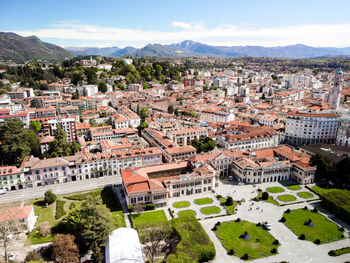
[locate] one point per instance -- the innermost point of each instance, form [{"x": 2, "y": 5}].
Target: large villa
[{"x": 159, "y": 182}]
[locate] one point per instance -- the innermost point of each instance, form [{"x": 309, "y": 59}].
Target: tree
[
  {"x": 59, "y": 147},
  {"x": 64, "y": 249},
  {"x": 343, "y": 170},
  {"x": 35, "y": 126},
  {"x": 102, "y": 87},
  {"x": 145, "y": 85},
  {"x": 45, "y": 228},
  {"x": 50, "y": 197},
  {"x": 14, "y": 138},
  {"x": 152, "y": 235},
  {"x": 176, "y": 112},
  {"x": 76, "y": 77},
  {"x": 95, "y": 223},
  {"x": 35, "y": 103},
  {"x": 322, "y": 164},
  {"x": 7, "y": 226},
  {"x": 75, "y": 95},
  {"x": 265, "y": 195},
  {"x": 171, "y": 109},
  {"x": 229, "y": 201},
  {"x": 274, "y": 77}
]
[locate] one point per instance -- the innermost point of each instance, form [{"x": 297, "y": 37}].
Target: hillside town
[{"x": 166, "y": 131}]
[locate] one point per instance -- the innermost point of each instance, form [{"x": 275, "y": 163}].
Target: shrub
[
  {"x": 229, "y": 201},
  {"x": 287, "y": 211},
  {"x": 60, "y": 209},
  {"x": 218, "y": 223},
  {"x": 238, "y": 220},
  {"x": 219, "y": 196},
  {"x": 214, "y": 228},
  {"x": 273, "y": 251},
  {"x": 171, "y": 213},
  {"x": 265, "y": 195},
  {"x": 283, "y": 219},
  {"x": 315, "y": 210},
  {"x": 149, "y": 206},
  {"x": 231, "y": 252},
  {"x": 258, "y": 224},
  {"x": 302, "y": 237},
  {"x": 332, "y": 253},
  {"x": 341, "y": 229},
  {"x": 72, "y": 206},
  {"x": 305, "y": 208},
  {"x": 130, "y": 208},
  {"x": 317, "y": 241},
  {"x": 259, "y": 190},
  {"x": 206, "y": 254},
  {"x": 245, "y": 256},
  {"x": 342, "y": 236},
  {"x": 276, "y": 242},
  {"x": 50, "y": 197}
]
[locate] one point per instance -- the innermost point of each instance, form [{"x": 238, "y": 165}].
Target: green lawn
[
  {"x": 210, "y": 210},
  {"x": 229, "y": 208},
  {"x": 275, "y": 189},
  {"x": 259, "y": 245},
  {"x": 181, "y": 204},
  {"x": 324, "y": 229},
  {"x": 269, "y": 200},
  {"x": 294, "y": 187},
  {"x": 44, "y": 213},
  {"x": 341, "y": 197},
  {"x": 147, "y": 217},
  {"x": 286, "y": 198},
  {"x": 203, "y": 201},
  {"x": 305, "y": 195},
  {"x": 194, "y": 243},
  {"x": 185, "y": 213}
]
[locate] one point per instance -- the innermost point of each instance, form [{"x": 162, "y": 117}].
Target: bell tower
[{"x": 337, "y": 86}]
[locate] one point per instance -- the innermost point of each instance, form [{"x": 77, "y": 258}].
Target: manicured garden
[
  {"x": 181, "y": 204},
  {"x": 275, "y": 189},
  {"x": 210, "y": 210},
  {"x": 194, "y": 244},
  {"x": 203, "y": 201},
  {"x": 305, "y": 195},
  {"x": 148, "y": 217},
  {"x": 242, "y": 237},
  {"x": 312, "y": 226},
  {"x": 286, "y": 198},
  {"x": 294, "y": 187},
  {"x": 185, "y": 213},
  {"x": 266, "y": 198},
  {"x": 64, "y": 204}
]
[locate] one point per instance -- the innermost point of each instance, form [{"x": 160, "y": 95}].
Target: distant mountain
[
  {"x": 17, "y": 48},
  {"x": 84, "y": 51},
  {"x": 124, "y": 51}
]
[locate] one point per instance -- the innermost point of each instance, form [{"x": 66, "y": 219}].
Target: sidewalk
[{"x": 122, "y": 201}]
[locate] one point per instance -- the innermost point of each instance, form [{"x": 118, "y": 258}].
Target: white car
[
  {"x": 11, "y": 256},
  {"x": 2, "y": 191},
  {"x": 240, "y": 183},
  {"x": 268, "y": 226}
]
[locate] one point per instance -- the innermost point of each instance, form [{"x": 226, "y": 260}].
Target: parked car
[
  {"x": 240, "y": 183},
  {"x": 2, "y": 191},
  {"x": 267, "y": 226},
  {"x": 11, "y": 256}
]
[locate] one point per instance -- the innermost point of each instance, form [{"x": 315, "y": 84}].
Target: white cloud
[{"x": 336, "y": 35}]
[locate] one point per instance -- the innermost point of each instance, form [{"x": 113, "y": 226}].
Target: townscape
[{"x": 192, "y": 158}]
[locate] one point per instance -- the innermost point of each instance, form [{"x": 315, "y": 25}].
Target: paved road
[{"x": 59, "y": 189}]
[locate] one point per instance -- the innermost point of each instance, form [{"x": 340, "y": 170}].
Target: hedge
[{"x": 60, "y": 209}]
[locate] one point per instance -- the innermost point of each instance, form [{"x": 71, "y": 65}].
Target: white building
[
  {"x": 87, "y": 90},
  {"x": 123, "y": 246},
  {"x": 309, "y": 128},
  {"x": 186, "y": 135},
  {"x": 337, "y": 87}
]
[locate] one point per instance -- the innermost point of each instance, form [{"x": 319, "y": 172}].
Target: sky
[{"x": 104, "y": 23}]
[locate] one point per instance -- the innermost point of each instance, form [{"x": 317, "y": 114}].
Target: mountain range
[
  {"x": 17, "y": 48},
  {"x": 190, "y": 48}
]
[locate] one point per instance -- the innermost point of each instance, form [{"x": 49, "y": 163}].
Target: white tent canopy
[{"x": 123, "y": 246}]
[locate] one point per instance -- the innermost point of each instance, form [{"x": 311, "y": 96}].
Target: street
[{"x": 59, "y": 189}]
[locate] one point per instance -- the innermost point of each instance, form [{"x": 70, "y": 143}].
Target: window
[
  {"x": 140, "y": 198},
  {"x": 133, "y": 200},
  {"x": 146, "y": 198}
]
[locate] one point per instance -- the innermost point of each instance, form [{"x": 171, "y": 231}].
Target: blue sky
[{"x": 220, "y": 22}]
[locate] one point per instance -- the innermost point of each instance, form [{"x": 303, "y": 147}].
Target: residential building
[
  {"x": 185, "y": 136},
  {"x": 23, "y": 216},
  {"x": 310, "y": 128},
  {"x": 343, "y": 133},
  {"x": 179, "y": 153},
  {"x": 11, "y": 178}
]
